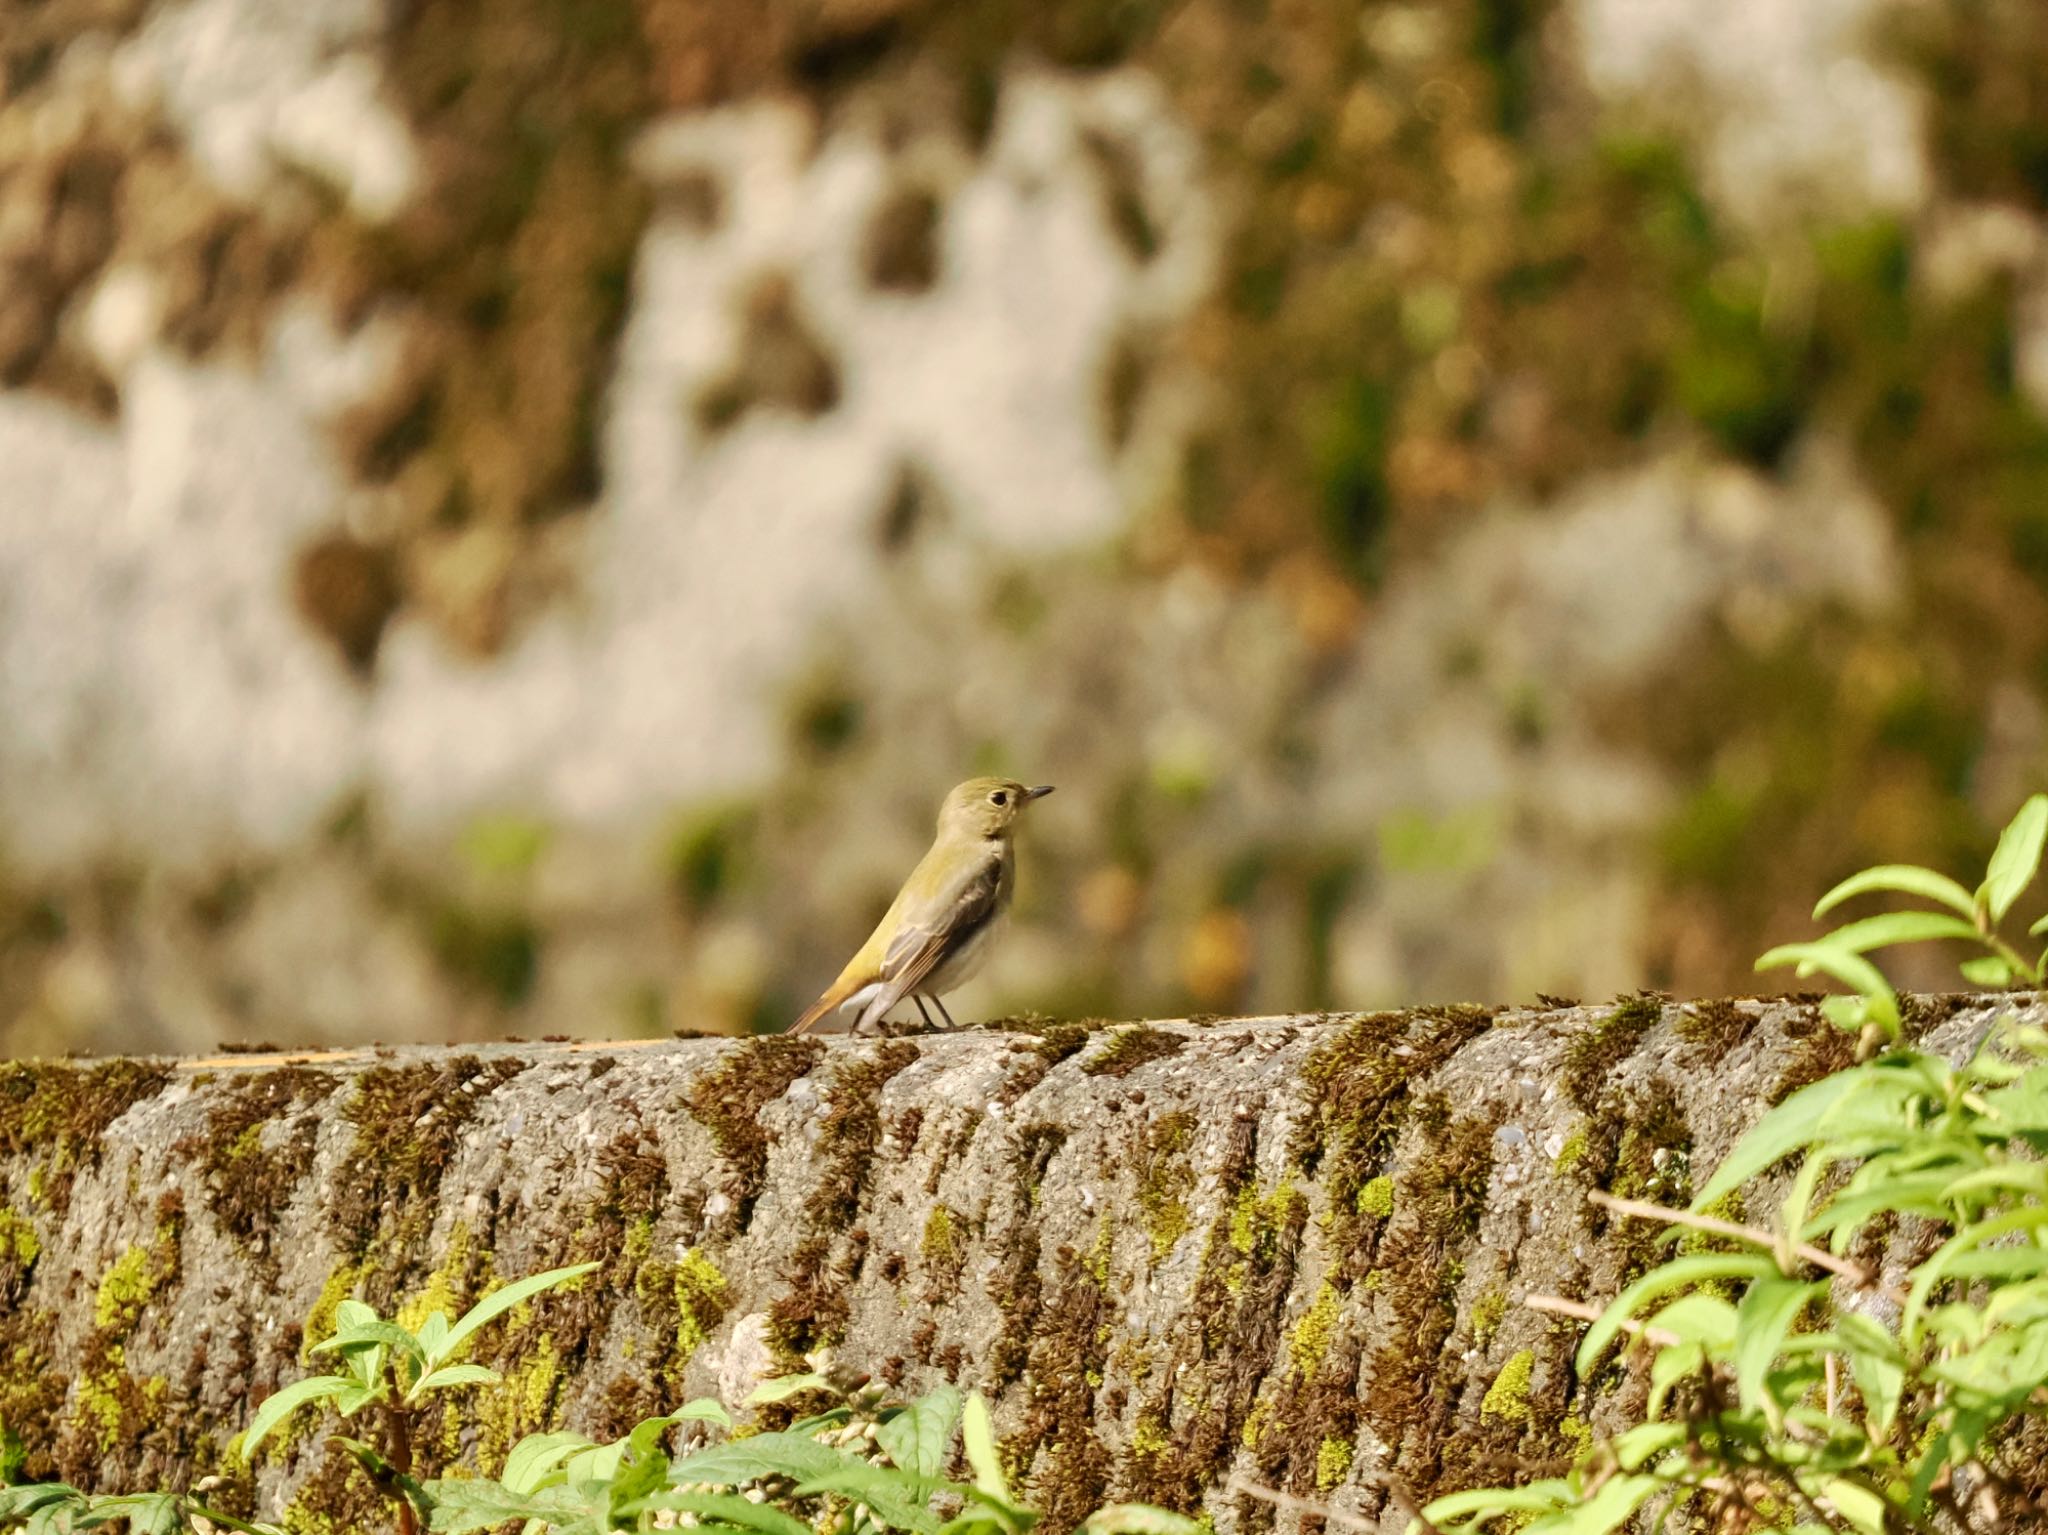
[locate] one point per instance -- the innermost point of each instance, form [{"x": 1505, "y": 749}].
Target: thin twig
[
  {"x": 1580, "y": 1311},
  {"x": 1820, "y": 1257},
  {"x": 1290, "y": 1502}
]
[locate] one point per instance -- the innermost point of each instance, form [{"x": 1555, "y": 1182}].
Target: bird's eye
[{"x": 1000, "y": 797}]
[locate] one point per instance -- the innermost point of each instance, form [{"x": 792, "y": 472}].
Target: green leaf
[
  {"x": 452, "y": 1375},
  {"x": 1138, "y": 1519},
  {"x": 1909, "y": 879},
  {"x": 1608, "y": 1509},
  {"x": 1768, "y": 1309},
  {"x": 498, "y": 1302},
  {"x": 1863, "y": 1508},
  {"x": 1535, "y": 1498},
  {"x": 1988, "y": 970},
  {"x": 372, "y": 1334},
  {"x": 280, "y": 1405},
  {"x": 1645, "y": 1441},
  {"x": 537, "y": 1457},
  {"x": 784, "y": 1387},
  {"x": 1796, "y": 1122},
  {"x": 1852, "y": 970},
  {"x": 1900, "y": 927},
  {"x": 897, "y": 1497},
  {"x": 978, "y": 1439},
  {"x": 2016, "y": 859},
  {"x": 433, "y": 1335},
  {"x": 703, "y": 1410},
  {"x": 1674, "y": 1275},
  {"x": 919, "y": 1437},
  {"x": 460, "y": 1507},
  {"x": 739, "y": 1461}
]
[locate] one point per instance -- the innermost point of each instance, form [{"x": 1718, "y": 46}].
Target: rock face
[{"x": 1289, "y": 1250}]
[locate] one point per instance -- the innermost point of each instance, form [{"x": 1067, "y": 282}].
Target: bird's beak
[{"x": 1038, "y": 793}]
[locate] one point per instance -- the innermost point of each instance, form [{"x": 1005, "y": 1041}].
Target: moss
[
  {"x": 1376, "y": 1197},
  {"x": 1577, "y": 1435},
  {"x": 127, "y": 1288},
  {"x": 1358, "y": 1086},
  {"x": 1333, "y": 1463},
  {"x": 448, "y": 1287},
  {"x": 249, "y": 1181},
  {"x": 1572, "y": 1152},
  {"x": 1149, "y": 1437},
  {"x": 850, "y": 1132},
  {"x": 1131, "y": 1047},
  {"x": 1487, "y": 1314},
  {"x": 943, "y": 1255},
  {"x": 54, "y": 1116},
  {"x": 1508, "y": 1396},
  {"x": 1818, "y": 1049},
  {"x": 1716, "y": 1025},
  {"x": 409, "y": 1122},
  {"x": 1165, "y": 1177},
  {"x": 1309, "y": 1340},
  {"x": 33, "y": 1387},
  {"x": 19, "y": 1249},
  {"x": 728, "y": 1102},
  {"x": 1593, "y": 1053}
]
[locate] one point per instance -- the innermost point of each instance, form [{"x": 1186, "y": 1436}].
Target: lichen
[
  {"x": 1376, "y": 1197},
  {"x": 1333, "y": 1463},
  {"x": 19, "y": 1246},
  {"x": 1165, "y": 1177},
  {"x": 1487, "y": 1314},
  {"x": 1508, "y": 1397},
  {"x": 1308, "y": 1342}
]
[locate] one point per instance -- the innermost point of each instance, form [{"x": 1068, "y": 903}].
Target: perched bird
[{"x": 938, "y": 931}]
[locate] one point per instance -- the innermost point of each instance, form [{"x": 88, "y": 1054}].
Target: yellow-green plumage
[{"x": 937, "y": 931}]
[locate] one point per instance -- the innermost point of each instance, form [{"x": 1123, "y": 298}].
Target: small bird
[{"x": 937, "y": 932}]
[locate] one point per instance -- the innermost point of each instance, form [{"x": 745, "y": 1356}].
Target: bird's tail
[{"x": 834, "y": 998}]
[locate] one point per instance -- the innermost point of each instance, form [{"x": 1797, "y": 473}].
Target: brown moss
[
  {"x": 1131, "y": 1047},
  {"x": 408, "y": 1122},
  {"x": 728, "y": 1101},
  {"x": 250, "y": 1175},
  {"x": 1358, "y": 1084},
  {"x": 1817, "y": 1049},
  {"x": 56, "y": 1115},
  {"x": 1716, "y": 1025},
  {"x": 1069, "y": 1467},
  {"x": 1412, "y": 1378},
  {"x": 1593, "y": 1053},
  {"x": 850, "y": 1132}
]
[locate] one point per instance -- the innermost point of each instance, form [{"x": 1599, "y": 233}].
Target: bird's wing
[{"x": 949, "y": 919}]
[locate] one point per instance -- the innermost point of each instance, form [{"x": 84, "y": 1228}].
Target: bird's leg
[
  {"x": 944, "y": 1014},
  {"x": 919, "y": 1000}
]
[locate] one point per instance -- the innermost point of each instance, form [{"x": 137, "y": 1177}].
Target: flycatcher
[{"x": 938, "y": 931}]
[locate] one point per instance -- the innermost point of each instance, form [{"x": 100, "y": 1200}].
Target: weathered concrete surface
[{"x": 1285, "y": 1248}]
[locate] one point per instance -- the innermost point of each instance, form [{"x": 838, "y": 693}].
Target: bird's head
[{"x": 986, "y": 807}]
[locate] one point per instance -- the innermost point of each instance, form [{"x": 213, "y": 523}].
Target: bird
[{"x": 937, "y": 932}]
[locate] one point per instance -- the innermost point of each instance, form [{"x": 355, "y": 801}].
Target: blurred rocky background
[{"x": 511, "y": 515}]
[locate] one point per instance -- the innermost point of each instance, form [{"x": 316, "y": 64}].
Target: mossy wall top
[
  {"x": 515, "y": 512},
  {"x": 1290, "y": 1248}
]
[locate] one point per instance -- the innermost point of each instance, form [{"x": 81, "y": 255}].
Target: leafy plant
[
  {"x": 391, "y": 1367},
  {"x": 53, "y": 1508},
  {"x": 859, "y": 1467},
  {"x": 1955, "y": 913},
  {"x": 1793, "y": 1385}
]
